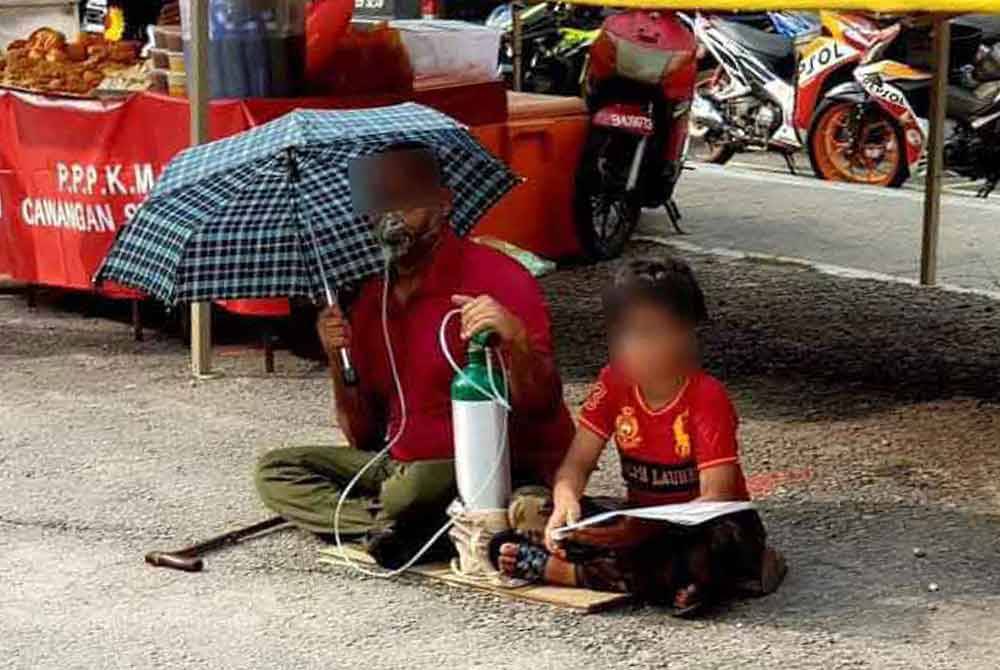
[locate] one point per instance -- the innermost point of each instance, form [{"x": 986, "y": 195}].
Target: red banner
[{"x": 72, "y": 173}]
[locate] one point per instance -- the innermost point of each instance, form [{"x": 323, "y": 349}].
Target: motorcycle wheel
[
  {"x": 874, "y": 156},
  {"x": 710, "y": 149},
  {"x": 605, "y": 215}
]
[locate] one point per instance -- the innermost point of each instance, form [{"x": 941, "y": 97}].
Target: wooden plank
[{"x": 580, "y": 600}]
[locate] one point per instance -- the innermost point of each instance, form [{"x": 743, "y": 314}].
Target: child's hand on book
[{"x": 566, "y": 510}]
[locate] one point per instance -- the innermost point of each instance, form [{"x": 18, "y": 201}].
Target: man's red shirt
[
  {"x": 538, "y": 443},
  {"x": 663, "y": 450}
]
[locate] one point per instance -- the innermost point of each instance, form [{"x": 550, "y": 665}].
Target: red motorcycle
[{"x": 639, "y": 87}]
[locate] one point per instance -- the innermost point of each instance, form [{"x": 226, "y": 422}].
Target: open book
[{"x": 684, "y": 514}]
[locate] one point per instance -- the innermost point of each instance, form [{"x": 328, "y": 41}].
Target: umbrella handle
[{"x": 347, "y": 371}]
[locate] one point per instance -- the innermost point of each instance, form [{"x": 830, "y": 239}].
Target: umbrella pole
[
  {"x": 935, "y": 152},
  {"x": 198, "y": 93}
]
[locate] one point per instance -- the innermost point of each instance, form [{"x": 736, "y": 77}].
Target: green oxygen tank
[{"x": 482, "y": 458}]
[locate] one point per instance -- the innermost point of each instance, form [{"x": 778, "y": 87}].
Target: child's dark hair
[{"x": 667, "y": 282}]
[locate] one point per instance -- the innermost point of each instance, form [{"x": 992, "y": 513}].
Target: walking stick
[{"x": 189, "y": 558}]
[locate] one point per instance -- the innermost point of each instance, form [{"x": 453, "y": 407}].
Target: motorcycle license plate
[{"x": 628, "y": 118}]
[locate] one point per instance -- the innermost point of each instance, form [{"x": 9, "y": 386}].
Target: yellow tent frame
[
  {"x": 201, "y": 342},
  {"x": 888, "y": 6}
]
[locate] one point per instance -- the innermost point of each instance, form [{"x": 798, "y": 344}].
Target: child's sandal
[
  {"x": 529, "y": 562},
  {"x": 695, "y": 603}
]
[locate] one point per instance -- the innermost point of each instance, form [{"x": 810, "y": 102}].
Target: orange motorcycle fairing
[{"x": 876, "y": 79}]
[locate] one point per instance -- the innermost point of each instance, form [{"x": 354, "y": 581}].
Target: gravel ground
[{"x": 870, "y": 425}]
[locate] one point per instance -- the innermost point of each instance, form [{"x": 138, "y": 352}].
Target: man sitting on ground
[{"x": 399, "y": 502}]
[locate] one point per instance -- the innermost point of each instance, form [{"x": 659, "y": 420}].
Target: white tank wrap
[{"x": 482, "y": 459}]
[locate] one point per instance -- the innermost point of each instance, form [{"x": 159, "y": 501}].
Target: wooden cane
[{"x": 189, "y": 559}]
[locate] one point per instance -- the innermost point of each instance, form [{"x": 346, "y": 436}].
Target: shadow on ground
[
  {"x": 854, "y": 570},
  {"x": 795, "y": 327}
]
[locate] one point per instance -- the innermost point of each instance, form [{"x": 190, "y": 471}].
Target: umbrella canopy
[
  {"x": 948, "y": 6},
  {"x": 268, "y": 213}
]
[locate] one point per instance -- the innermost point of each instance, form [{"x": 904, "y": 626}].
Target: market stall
[{"x": 76, "y": 158}]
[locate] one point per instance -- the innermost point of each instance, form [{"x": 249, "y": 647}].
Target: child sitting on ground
[{"x": 675, "y": 429}]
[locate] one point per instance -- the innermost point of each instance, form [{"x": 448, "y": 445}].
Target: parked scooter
[
  {"x": 750, "y": 98},
  {"x": 640, "y": 83},
  {"x": 555, "y": 42},
  {"x": 539, "y": 26},
  {"x": 765, "y": 91},
  {"x": 874, "y": 129},
  {"x": 560, "y": 69}
]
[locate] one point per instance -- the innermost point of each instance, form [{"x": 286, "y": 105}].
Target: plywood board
[{"x": 581, "y": 600}]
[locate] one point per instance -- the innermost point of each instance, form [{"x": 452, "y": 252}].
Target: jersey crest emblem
[{"x": 627, "y": 429}]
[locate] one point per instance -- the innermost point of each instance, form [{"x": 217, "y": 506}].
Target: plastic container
[
  {"x": 159, "y": 81},
  {"x": 452, "y": 50},
  {"x": 168, "y": 38},
  {"x": 175, "y": 62},
  {"x": 177, "y": 84},
  {"x": 257, "y": 48},
  {"x": 160, "y": 58}
]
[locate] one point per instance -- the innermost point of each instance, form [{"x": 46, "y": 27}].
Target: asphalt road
[
  {"x": 754, "y": 205},
  {"x": 108, "y": 449}
]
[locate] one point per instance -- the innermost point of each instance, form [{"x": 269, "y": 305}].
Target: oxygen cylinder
[{"x": 482, "y": 458}]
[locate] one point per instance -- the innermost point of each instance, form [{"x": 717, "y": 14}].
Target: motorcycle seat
[
  {"x": 778, "y": 50},
  {"x": 989, "y": 24},
  {"x": 966, "y": 105}
]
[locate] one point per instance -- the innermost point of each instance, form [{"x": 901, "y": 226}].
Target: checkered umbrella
[{"x": 268, "y": 213}]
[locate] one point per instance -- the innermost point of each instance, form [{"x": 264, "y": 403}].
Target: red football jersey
[{"x": 663, "y": 450}]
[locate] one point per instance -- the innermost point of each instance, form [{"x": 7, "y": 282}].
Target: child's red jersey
[{"x": 662, "y": 451}]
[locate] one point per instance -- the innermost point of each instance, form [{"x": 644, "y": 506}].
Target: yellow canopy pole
[
  {"x": 517, "y": 43},
  {"x": 887, "y": 6},
  {"x": 198, "y": 93},
  {"x": 935, "y": 152}
]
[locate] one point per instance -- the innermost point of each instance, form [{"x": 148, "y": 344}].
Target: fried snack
[
  {"x": 92, "y": 77},
  {"x": 56, "y": 56},
  {"x": 47, "y": 62},
  {"x": 76, "y": 52},
  {"x": 89, "y": 39},
  {"x": 97, "y": 51},
  {"x": 47, "y": 38},
  {"x": 123, "y": 52}
]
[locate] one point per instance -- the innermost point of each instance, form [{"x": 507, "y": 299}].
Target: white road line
[
  {"x": 955, "y": 185},
  {"x": 825, "y": 268},
  {"x": 854, "y": 189}
]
